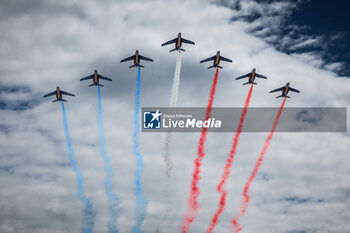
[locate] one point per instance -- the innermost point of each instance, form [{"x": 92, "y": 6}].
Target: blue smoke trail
[
  {"x": 141, "y": 201},
  {"x": 113, "y": 200},
  {"x": 88, "y": 211}
]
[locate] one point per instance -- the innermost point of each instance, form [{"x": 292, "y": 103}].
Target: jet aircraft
[
  {"x": 178, "y": 43},
  {"x": 216, "y": 60},
  {"x": 251, "y": 77},
  {"x": 136, "y": 57},
  {"x": 58, "y": 94},
  {"x": 285, "y": 89},
  {"x": 95, "y": 79}
]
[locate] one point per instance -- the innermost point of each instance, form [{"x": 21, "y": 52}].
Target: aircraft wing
[
  {"x": 260, "y": 76},
  {"x": 66, "y": 93},
  {"x": 128, "y": 58},
  {"x": 50, "y": 94},
  {"x": 225, "y": 59},
  {"x": 244, "y": 76},
  {"x": 278, "y": 89},
  {"x": 294, "y": 90},
  {"x": 105, "y": 78},
  {"x": 87, "y": 77},
  {"x": 169, "y": 42},
  {"x": 187, "y": 41},
  {"x": 145, "y": 58},
  {"x": 208, "y": 59}
]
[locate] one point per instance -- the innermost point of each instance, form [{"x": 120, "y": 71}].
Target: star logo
[
  {"x": 152, "y": 119},
  {"x": 156, "y": 115}
]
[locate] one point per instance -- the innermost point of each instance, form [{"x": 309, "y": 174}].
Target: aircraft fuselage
[
  {"x": 217, "y": 59},
  {"x": 95, "y": 78},
  {"x": 136, "y": 58},
  {"x": 285, "y": 90},
  {"x": 178, "y": 42},
  {"x": 58, "y": 94},
  {"x": 252, "y": 76}
]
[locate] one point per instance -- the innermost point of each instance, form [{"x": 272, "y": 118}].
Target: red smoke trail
[
  {"x": 246, "y": 197},
  {"x": 228, "y": 165},
  {"x": 193, "y": 206}
]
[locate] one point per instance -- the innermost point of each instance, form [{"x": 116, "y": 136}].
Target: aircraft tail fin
[
  {"x": 172, "y": 50},
  {"x": 141, "y": 66},
  {"x": 282, "y": 96},
  {"x": 132, "y": 66},
  {"x": 54, "y": 101},
  {"x": 182, "y": 50},
  {"x": 95, "y": 84},
  {"x": 250, "y": 82},
  {"x": 214, "y": 66}
]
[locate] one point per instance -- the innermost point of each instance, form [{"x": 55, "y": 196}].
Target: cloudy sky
[{"x": 304, "y": 183}]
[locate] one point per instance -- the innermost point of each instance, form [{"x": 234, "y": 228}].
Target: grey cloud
[{"x": 15, "y": 9}]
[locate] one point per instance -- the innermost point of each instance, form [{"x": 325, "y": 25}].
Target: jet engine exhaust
[
  {"x": 141, "y": 201},
  {"x": 113, "y": 200},
  {"x": 227, "y": 168},
  {"x": 246, "y": 197},
  {"x": 193, "y": 205},
  {"x": 88, "y": 211},
  {"x": 167, "y": 155}
]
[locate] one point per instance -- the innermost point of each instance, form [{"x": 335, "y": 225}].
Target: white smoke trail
[
  {"x": 167, "y": 155},
  {"x": 176, "y": 82},
  {"x": 173, "y": 102}
]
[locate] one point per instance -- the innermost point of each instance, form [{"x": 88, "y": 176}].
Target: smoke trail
[
  {"x": 246, "y": 197},
  {"x": 141, "y": 201},
  {"x": 88, "y": 211},
  {"x": 113, "y": 200},
  {"x": 193, "y": 205},
  {"x": 173, "y": 101},
  {"x": 167, "y": 159},
  {"x": 229, "y": 161},
  {"x": 176, "y": 82}
]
